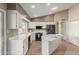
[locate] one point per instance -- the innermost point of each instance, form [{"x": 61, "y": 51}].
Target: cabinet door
[
  {"x": 19, "y": 20},
  {"x": 14, "y": 19},
  {"x": 12, "y": 23},
  {"x": 25, "y": 46}
]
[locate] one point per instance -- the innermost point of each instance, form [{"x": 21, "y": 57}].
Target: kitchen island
[{"x": 50, "y": 43}]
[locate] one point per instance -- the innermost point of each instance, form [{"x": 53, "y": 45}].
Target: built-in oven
[
  {"x": 38, "y": 36},
  {"x": 38, "y": 27},
  {"x": 50, "y": 29}
]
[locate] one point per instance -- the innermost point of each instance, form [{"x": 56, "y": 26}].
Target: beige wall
[
  {"x": 49, "y": 18},
  {"x": 61, "y": 16},
  {"x": 74, "y": 13},
  {"x": 3, "y": 6},
  {"x": 22, "y": 11},
  {"x": 17, "y": 6},
  {"x": 11, "y": 6}
]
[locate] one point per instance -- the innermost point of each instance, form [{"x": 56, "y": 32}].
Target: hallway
[{"x": 65, "y": 48}]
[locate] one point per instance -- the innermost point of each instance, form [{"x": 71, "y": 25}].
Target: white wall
[
  {"x": 73, "y": 32},
  {"x": 73, "y": 25}
]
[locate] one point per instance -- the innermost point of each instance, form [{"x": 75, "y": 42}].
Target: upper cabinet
[
  {"x": 14, "y": 19},
  {"x": 32, "y": 25}
]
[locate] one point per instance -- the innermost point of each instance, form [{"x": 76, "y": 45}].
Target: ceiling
[{"x": 42, "y": 9}]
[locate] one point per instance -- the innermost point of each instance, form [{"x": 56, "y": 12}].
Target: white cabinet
[
  {"x": 33, "y": 25},
  {"x": 17, "y": 45},
  {"x": 50, "y": 43},
  {"x": 25, "y": 46},
  {"x": 14, "y": 19}
]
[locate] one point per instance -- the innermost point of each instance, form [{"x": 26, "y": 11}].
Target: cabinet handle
[
  {"x": 16, "y": 25},
  {"x": 16, "y": 19}
]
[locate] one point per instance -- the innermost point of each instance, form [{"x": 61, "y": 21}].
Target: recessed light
[
  {"x": 33, "y": 6},
  {"x": 48, "y": 4},
  {"x": 54, "y": 8},
  {"x": 50, "y": 12}
]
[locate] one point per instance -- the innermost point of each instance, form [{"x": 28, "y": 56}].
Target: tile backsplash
[{"x": 12, "y": 32}]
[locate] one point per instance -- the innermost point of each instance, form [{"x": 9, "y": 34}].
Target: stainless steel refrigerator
[{"x": 50, "y": 29}]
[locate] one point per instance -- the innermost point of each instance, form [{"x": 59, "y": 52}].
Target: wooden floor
[
  {"x": 65, "y": 48},
  {"x": 35, "y": 48}
]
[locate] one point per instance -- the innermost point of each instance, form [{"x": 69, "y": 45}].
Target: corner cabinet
[{"x": 14, "y": 19}]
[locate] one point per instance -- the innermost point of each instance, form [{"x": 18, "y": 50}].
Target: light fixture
[
  {"x": 33, "y": 6},
  {"x": 50, "y": 12},
  {"x": 48, "y": 4},
  {"x": 54, "y": 8}
]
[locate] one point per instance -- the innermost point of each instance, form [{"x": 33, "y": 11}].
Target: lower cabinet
[
  {"x": 17, "y": 47},
  {"x": 25, "y": 46}
]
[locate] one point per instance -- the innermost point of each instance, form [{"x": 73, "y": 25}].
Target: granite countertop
[
  {"x": 20, "y": 37},
  {"x": 49, "y": 36}
]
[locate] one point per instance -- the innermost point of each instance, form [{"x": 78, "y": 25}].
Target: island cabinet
[{"x": 14, "y": 19}]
